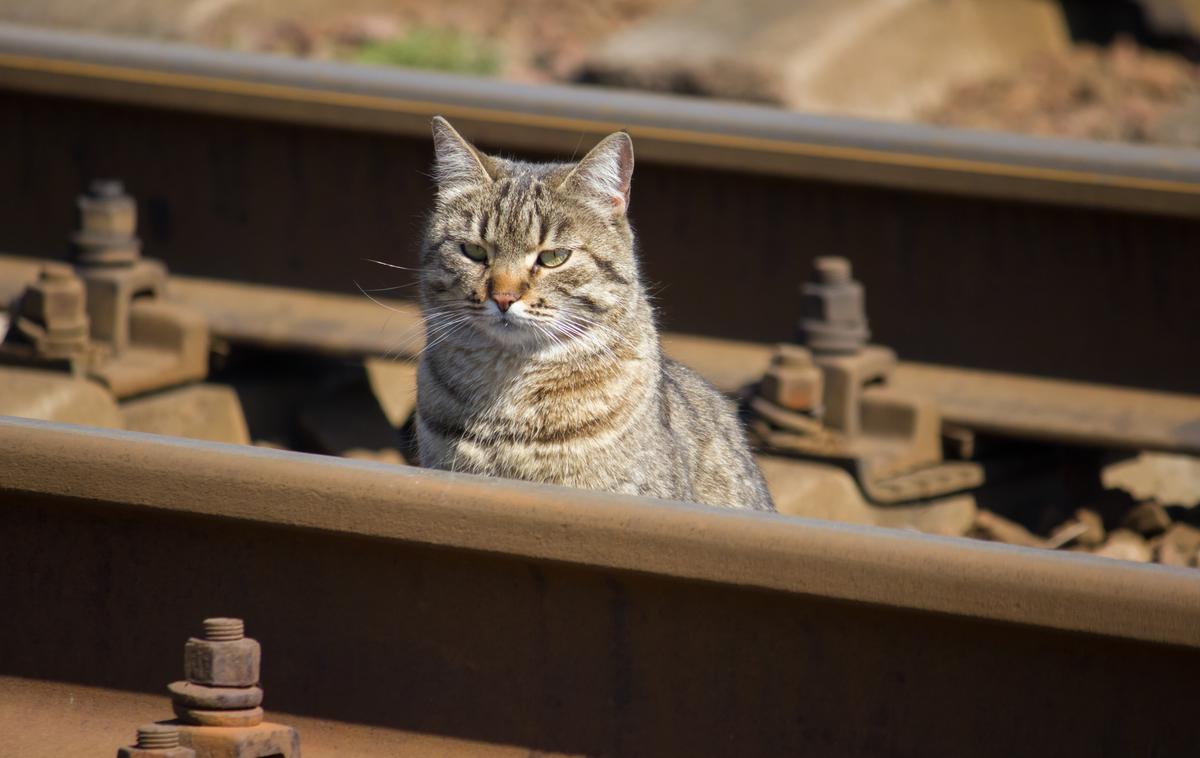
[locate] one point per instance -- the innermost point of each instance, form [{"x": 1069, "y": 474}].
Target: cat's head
[{"x": 529, "y": 254}]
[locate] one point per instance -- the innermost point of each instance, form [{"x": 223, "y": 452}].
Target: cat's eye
[
  {"x": 552, "y": 258},
  {"x": 475, "y": 252}
]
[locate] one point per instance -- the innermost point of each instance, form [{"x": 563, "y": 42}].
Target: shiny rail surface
[
  {"x": 488, "y": 614},
  {"x": 686, "y": 131},
  {"x": 959, "y": 577}
]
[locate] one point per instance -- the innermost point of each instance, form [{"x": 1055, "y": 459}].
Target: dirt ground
[
  {"x": 1117, "y": 93},
  {"x": 1122, "y": 92},
  {"x": 534, "y": 40}
]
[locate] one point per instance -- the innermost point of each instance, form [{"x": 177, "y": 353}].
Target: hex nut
[
  {"x": 52, "y": 312},
  {"x": 233, "y": 663},
  {"x": 835, "y": 304},
  {"x": 793, "y": 387},
  {"x": 203, "y": 717},
  {"x": 192, "y": 695}
]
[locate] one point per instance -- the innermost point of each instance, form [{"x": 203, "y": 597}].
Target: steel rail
[
  {"x": 453, "y": 614},
  {"x": 1078, "y": 413},
  {"x": 668, "y": 129},
  {"x": 952, "y": 576}
]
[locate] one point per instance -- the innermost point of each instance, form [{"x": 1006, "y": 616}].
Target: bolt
[
  {"x": 223, "y": 629},
  {"x": 224, "y": 658},
  {"x": 107, "y": 226},
  {"x": 51, "y": 314},
  {"x": 832, "y": 269},
  {"x": 106, "y": 188},
  {"x": 834, "y": 319},
  {"x": 157, "y": 736},
  {"x": 793, "y": 381}
]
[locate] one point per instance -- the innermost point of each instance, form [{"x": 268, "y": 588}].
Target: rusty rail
[{"x": 574, "y": 622}]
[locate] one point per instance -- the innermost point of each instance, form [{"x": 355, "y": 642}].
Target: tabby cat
[{"x": 542, "y": 361}]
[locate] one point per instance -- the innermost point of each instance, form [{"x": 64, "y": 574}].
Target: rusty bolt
[
  {"x": 157, "y": 735},
  {"x": 225, "y": 658},
  {"x": 832, "y": 269},
  {"x": 107, "y": 210},
  {"x": 62, "y": 299},
  {"x": 793, "y": 381},
  {"x": 51, "y": 313},
  {"x": 834, "y": 319},
  {"x": 157, "y": 741},
  {"x": 106, "y": 188},
  {"x": 107, "y": 226},
  {"x": 224, "y": 630}
]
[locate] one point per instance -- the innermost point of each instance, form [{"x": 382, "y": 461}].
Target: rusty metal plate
[{"x": 1058, "y": 411}]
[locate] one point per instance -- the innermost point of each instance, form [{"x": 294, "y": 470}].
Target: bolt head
[{"x": 233, "y": 663}]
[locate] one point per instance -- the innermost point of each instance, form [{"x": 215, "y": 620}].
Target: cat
[{"x": 542, "y": 359}]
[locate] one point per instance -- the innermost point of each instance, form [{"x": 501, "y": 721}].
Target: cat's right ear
[
  {"x": 603, "y": 176},
  {"x": 458, "y": 164}
]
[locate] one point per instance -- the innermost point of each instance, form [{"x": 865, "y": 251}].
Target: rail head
[
  {"x": 669, "y": 129},
  {"x": 69, "y": 465}
]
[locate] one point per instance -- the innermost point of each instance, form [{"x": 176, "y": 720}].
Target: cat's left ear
[
  {"x": 604, "y": 175},
  {"x": 458, "y": 163}
]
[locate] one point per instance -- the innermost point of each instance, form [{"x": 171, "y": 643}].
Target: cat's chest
[{"x": 513, "y": 390}]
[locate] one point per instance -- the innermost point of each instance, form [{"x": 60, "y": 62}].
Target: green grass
[{"x": 437, "y": 49}]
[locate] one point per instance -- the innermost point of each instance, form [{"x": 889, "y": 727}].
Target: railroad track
[
  {"x": 492, "y": 615},
  {"x": 999, "y": 252},
  {"x": 408, "y": 610}
]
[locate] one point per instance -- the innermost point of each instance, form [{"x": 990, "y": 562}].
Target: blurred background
[{"x": 1097, "y": 69}]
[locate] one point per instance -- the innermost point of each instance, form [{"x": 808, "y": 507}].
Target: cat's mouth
[{"x": 511, "y": 328}]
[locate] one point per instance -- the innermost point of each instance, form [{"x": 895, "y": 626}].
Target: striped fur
[{"x": 569, "y": 385}]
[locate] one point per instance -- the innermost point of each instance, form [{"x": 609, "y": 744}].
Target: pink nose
[{"x": 504, "y": 300}]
